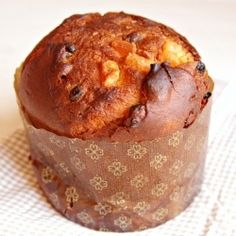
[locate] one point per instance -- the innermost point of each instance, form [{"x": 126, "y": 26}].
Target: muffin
[{"x": 116, "y": 112}]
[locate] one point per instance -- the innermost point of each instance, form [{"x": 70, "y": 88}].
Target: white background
[{"x": 209, "y": 25}]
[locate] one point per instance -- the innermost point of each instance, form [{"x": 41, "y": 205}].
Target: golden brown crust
[{"x": 91, "y": 78}]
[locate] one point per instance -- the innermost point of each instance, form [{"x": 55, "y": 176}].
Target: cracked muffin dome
[{"x": 115, "y": 76}]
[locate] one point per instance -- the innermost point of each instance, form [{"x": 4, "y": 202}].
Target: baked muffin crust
[{"x": 115, "y": 76}]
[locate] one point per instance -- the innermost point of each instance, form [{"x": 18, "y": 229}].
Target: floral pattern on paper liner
[{"x": 137, "y": 187}]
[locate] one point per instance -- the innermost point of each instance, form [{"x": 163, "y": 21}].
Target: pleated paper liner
[{"x": 129, "y": 186}]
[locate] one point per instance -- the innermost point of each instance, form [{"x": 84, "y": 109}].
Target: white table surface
[{"x": 209, "y": 25}]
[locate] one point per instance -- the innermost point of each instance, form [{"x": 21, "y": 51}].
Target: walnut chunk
[
  {"x": 139, "y": 63},
  {"x": 111, "y": 73},
  {"x": 174, "y": 53}
]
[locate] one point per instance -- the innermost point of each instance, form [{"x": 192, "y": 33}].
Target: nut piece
[
  {"x": 139, "y": 63},
  {"x": 174, "y": 53},
  {"x": 111, "y": 73}
]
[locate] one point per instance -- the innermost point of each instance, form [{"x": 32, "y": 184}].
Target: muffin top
[{"x": 115, "y": 76}]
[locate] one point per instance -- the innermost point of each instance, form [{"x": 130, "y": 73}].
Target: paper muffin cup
[{"x": 129, "y": 186}]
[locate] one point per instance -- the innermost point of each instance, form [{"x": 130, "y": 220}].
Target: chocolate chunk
[
  {"x": 201, "y": 67},
  {"x": 134, "y": 37},
  {"x": 158, "y": 82},
  {"x": 207, "y": 95},
  {"x": 70, "y": 48},
  {"x": 137, "y": 114},
  {"x": 151, "y": 76},
  {"x": 75, "y": 93}
]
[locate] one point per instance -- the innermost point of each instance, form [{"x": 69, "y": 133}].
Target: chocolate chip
[
  {"x": 201, "y": 67},
  {"x": 134, "y": 37},
  {"x": 63, "y": 77},
  {"x": 75, "y": 93},
  {"x": 154, "y": 68},
  {"x": 207, "y": 95},
  {"x": 70, "y": 48},
  {"x": 205, "y": 99}
]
